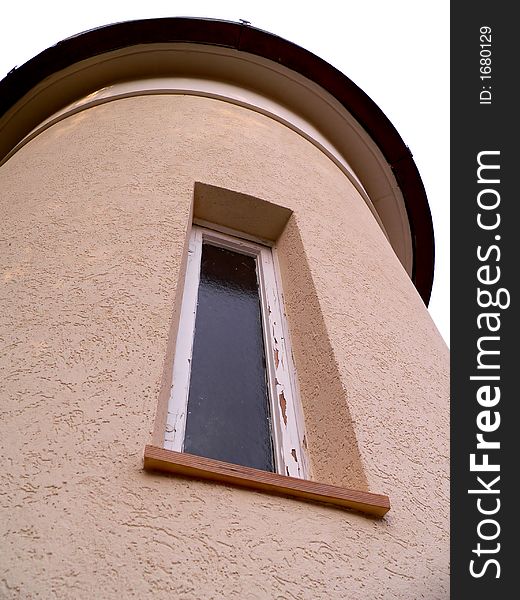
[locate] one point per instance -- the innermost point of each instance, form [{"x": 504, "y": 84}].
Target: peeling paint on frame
[{"x": 287, "y": 418}]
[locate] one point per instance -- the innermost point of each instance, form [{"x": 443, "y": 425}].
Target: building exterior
[{"x": 113, "y": 144}]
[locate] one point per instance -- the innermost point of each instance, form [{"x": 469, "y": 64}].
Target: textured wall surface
[{"x": 94, "y": 218}]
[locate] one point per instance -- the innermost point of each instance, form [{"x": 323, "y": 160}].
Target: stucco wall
[{"x": 95, "y": 212}]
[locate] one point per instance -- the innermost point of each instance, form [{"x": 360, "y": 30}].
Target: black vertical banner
[{"x": 485, "y": 196}]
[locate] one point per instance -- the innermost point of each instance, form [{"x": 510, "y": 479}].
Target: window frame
[{"x": 287, "y": 424}]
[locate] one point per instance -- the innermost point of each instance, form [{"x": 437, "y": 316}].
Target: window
[
  {"x": 233, "y": 394},
  {"x": 233, "y": 413}
]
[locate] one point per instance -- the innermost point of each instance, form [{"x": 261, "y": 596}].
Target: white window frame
[{"x": 286, "y": 414}]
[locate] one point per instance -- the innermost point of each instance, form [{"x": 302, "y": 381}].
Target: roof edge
[{"x": 243, "y": 37}]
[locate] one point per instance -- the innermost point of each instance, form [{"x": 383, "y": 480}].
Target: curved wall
[{"x": 96, "y": 212}]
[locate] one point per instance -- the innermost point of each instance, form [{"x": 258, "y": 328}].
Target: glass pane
[{"x": 228, "y": 408}]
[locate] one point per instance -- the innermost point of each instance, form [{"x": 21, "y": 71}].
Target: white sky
[{"x": 397, "y": 52}]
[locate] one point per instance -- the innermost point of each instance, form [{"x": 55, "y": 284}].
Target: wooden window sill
[{"x": 169, "y": 461}]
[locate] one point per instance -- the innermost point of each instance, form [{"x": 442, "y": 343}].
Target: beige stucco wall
[{"x": 94, "y": 218}]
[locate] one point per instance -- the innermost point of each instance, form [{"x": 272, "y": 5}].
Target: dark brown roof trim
[{"x": 255, "y": 41}]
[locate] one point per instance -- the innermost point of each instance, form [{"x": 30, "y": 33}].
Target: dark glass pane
[{"x": 228, "y": 408}]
